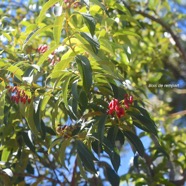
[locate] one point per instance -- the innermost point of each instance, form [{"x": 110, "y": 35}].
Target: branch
[
  {"x": 181, "y": 113},
  {"x": 164, "y": 25},
  {"x": 168, "y": 29},
  {"x": 73, "y": 182},
  {"x": 37, "y": 177}
]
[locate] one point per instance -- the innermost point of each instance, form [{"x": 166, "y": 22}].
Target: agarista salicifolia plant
[{"x": 69, "y": 77}]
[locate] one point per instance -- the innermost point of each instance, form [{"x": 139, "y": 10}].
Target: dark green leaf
[
  {"x": 135, "y": 141},
  {"x": 112, "y": 133},
  {"x": 50, "y": 130},
  {"x": 37, "y": 115},
  {"x": 146, "y": 122},
  {"x": 96, "y": 146},
  {"x": 92, "y": 41},
  {"x": 43, "y": 129},
  {"x": 86, "y": 156},
  {"x": 85, "y": 71},
  {"x": 28, "y": 142},
  {"x": 30, "y": 118},
  {"x": 90, "y": 22},
  {"x": 62, "y": 150},
  {"x": 112, "y": 176},
  {"x": 101, "y": 127}
]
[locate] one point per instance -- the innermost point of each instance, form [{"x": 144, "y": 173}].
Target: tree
[{"x": 76, "y": 82}]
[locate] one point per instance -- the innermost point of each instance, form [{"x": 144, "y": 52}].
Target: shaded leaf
[
  {"x": 28, "y": 142},
  {"x": 92, "y": 41},
  {"x": 113, "y": 178},
  {"x": 135, "y": 141},
  {"x": 101, "y": 127},
  {"x": 85, "y": 71},
  {"x": 86, "y": 156},
  {"x": 90, "y": 22}
]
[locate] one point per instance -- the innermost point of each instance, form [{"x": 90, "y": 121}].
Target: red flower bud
[{"x": 42, "y": 49}]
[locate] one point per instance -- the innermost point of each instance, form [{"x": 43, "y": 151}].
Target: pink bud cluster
[
  {"x": 18, "y": 95},
  {"x": 116, "y": 107},
  {"x": 53, "y": 58},
  {"x": 69, "y": 3}
]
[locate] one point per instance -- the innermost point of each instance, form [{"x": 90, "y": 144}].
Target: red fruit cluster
[
  {"x": 53, "y": 58},
  {"x": 18, "y": 95},
  {"x": 119, "y": 109}
]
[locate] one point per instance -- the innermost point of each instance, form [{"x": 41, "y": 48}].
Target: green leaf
[
  {"x": 101, "y": 127},
  {"x": 126, "y": 32},
  {"x": 50, "y": 131},
  {"x": 112, "y": 133},
  {"x": 54, "y": 143},
  {"x": 43, "y": 129},
  {"x": 62, "y": 149},
  {"x": 90, "y": 22},
  {"x": 5, "y": 154},
  {"x": 65, "y": 90},
  {"x": 92, "y": 41},
  {"x": 86, "y": 156},
  {"x": 87, "y": 3},
  {"x": 113, "y": 178},
  {"x": 2, "y": 100},
  {"x": 58, "y": 25},
  {"x": 28, "y": 142},
  {"x": 34, "y": 33},
  {"x": 146, "y": 122},
  {"x": 45, "y": 100},
  {"x": 30, "y": 118},
  {"x": 85, "y": 71},
  {"x": 16, "y": 71},
  {"x": 135, "y": 141},
  {"x": 99, "y": 4},
  {"x": 110, "y": 150},
  {"x": 115, "y": 159},
  {"x": 37, "y": 115},
  {"x": 45, "y": 7}
]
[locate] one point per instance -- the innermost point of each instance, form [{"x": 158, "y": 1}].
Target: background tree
[{"x": 79, "y": 80}]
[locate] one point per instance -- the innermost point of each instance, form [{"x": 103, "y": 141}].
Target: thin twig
[
  {"x": 164, "y": 25},
  {"x": 36, "y": 177},
  {"x": 168, "y": 29},
  {"x": 73, "y": 182}
]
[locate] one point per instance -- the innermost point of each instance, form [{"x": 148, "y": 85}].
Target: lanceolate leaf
[
  {"x": 92, "y": 41},
  {"x": 65, "y": 90},
  {"x": 145, "y": 121},
  {"x": 30, "y": 118},
  {"x": 101, "y": 127},
  {"x": 86, "y": 156},
  {"x": 36, "y": 32},
  {"x": 28, "y": 141},
  {"x": 2, "y": 101},
  {"x": 46, "y": 6},
  {"x": 90, "y": 22},
  {"x": 135, "y": 141},
  {"x": 113, "y": 178},
  {"x": 85, "y": 71},
  {"x": 58, "y": 25},
  {"x": 16, "y": 71}
]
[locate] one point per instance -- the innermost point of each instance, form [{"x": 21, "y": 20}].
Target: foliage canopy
[{"x": 76, "y": 81}]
